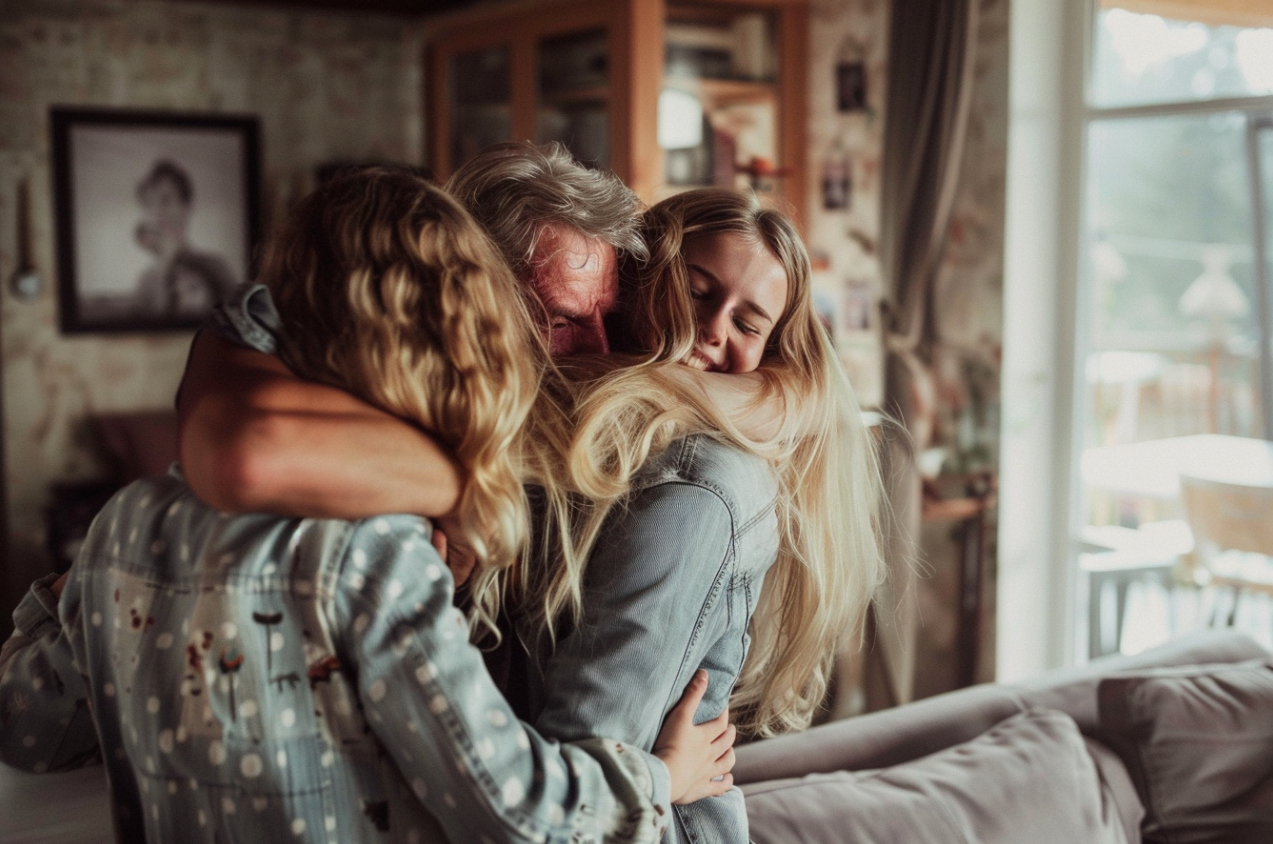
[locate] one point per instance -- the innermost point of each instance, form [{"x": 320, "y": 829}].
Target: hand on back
[{"x": 699, "y": 758}]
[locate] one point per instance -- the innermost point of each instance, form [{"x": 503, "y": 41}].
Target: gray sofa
[{"x": 1173, "y": 745}]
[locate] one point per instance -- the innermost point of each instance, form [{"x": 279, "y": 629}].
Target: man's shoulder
[{"x": 703, "y": 460}]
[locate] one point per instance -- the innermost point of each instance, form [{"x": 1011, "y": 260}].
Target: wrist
[{"x": 676, "y": 789}]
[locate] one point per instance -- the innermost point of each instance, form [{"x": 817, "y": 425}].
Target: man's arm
[{"x": 255, "y": 438}]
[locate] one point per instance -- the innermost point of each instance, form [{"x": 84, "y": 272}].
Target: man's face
[
  {"x": 164, "y": 216},
  {"x": 577, "y": 280}
]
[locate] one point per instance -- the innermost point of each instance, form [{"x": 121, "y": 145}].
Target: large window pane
[
  {"x": 1145, "y": 58},
  {"x": 1264, "y": 153},
  {"x": 1174, "y": 304}
]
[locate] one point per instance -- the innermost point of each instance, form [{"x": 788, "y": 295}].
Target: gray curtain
[{"x": 932, "y": 50}]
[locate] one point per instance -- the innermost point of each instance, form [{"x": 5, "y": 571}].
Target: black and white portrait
[{"x": 157, "y": 215}]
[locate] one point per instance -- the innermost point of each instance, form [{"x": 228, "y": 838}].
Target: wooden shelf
[
  {"x": 598, "y": 93},
  {"x": 725, "y": 90}
]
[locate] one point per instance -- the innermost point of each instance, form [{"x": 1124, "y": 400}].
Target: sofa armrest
[{"x": 880, "y": 739}]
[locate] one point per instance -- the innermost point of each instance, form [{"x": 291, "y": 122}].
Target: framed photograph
[
  {"x": 157, "y": 215},
  {"x": 850, "y": 86}
]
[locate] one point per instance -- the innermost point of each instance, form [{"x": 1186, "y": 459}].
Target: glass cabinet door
[
  {"x": 573, "y": 94},
  {"x": 481, "y": 101},
  {"x": 718, "y": 113}
]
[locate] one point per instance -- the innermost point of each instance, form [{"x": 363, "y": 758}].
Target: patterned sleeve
[
  {"x": 426, "y": 692},
  {"x": 45, "y": 723},
  {"x": 247, "y": 318}
]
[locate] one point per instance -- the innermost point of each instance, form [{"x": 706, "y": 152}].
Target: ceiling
[{"x": 399, "y": 7}]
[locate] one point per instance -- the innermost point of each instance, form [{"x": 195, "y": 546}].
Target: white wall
[{"x": 1036, "y": 583}]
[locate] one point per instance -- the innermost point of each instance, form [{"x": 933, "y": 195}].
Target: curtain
[{"x": 932, "y": 50}]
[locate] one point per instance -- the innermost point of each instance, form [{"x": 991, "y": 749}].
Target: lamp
[
  {"x": 1214, "y": 297},
  {"x": 680, "y": 120}
]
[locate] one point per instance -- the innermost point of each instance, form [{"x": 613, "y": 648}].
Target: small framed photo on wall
[{"x": 157, "y": 215}]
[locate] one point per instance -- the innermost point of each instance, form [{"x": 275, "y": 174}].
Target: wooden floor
[{"x": 70, "y": 808}]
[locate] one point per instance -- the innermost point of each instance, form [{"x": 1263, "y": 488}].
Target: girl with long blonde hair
[
  {"x": 795, "y": 408},
  {"x": 726, "y": 519}
]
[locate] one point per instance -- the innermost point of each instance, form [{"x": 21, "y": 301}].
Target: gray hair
[{"x": 514, "y": 188}]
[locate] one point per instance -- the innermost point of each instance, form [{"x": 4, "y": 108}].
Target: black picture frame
[{"x": 157, "y": 215}]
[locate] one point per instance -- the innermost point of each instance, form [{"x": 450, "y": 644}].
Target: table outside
[
  {"x": 1152, "y": 469},
  {"x": 1118, "y": 557}
]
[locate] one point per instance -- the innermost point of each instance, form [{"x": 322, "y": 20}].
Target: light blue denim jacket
[
  {"x": 671, "y": 587},
  {"x": 256, "y": 678}
]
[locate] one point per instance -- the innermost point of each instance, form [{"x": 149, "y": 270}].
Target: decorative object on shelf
[
  {"x": 762, "y": 171},
  {"x": 860, "y": 305},
  {"x": 157, "y": 215},
  {"x": 685, "y": 137},
  {"x": 850, "y": 76},
  {"x": 25, "y": 282},
  {"x": 837, "y": 179}
]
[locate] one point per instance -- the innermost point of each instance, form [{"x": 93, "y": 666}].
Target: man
[
  {"x": 183, "y": 282},
  {"x": 560, "y": 228}
]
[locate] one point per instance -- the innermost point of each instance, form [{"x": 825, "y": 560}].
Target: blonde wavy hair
[
  {"x": 829, "y": 562},
  {"x": 388, "y": 289}
]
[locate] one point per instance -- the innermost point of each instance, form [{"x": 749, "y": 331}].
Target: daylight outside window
[{"x": 1175, "y": 363}]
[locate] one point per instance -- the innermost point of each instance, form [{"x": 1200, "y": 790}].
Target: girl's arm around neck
[{"x": 255, "y": 438}]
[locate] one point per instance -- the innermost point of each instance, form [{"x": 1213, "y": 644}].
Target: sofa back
[{"x": 893, "y": 736}]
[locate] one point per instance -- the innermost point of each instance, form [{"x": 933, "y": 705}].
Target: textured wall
[
  {"x": 326, "y": 86},
  {"x": 843, "y": 241}
]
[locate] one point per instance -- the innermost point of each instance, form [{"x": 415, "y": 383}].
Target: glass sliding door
[
  {"x": 1261, "y": 157},
  {"x": 1174, "y": 252}
]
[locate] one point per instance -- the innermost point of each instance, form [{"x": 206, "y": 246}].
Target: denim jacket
[
  {"x": 670, "y": 588},
  {"x": 256, "y": 678}
]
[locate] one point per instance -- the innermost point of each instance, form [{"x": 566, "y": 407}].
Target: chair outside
[{"x": 1233, "y": 539}]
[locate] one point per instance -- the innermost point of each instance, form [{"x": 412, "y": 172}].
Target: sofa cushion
[
  {"x": 1029, "y": 778},
  {"x": 1073, "y": 690},
  {"x": 1198, "y": 744}
]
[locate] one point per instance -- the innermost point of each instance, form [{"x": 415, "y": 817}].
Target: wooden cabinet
[{"x": 669, "y": 95}]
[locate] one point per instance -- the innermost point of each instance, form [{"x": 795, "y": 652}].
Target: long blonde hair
[
  {"x": 829, "y": 563},
  {"x": 388, "y": 289}
]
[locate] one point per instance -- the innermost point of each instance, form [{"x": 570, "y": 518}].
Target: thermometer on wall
[{"x": 25, "y": 283}]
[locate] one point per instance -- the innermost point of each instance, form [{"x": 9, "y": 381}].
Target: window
[{"x": 1174, "y": 323}]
